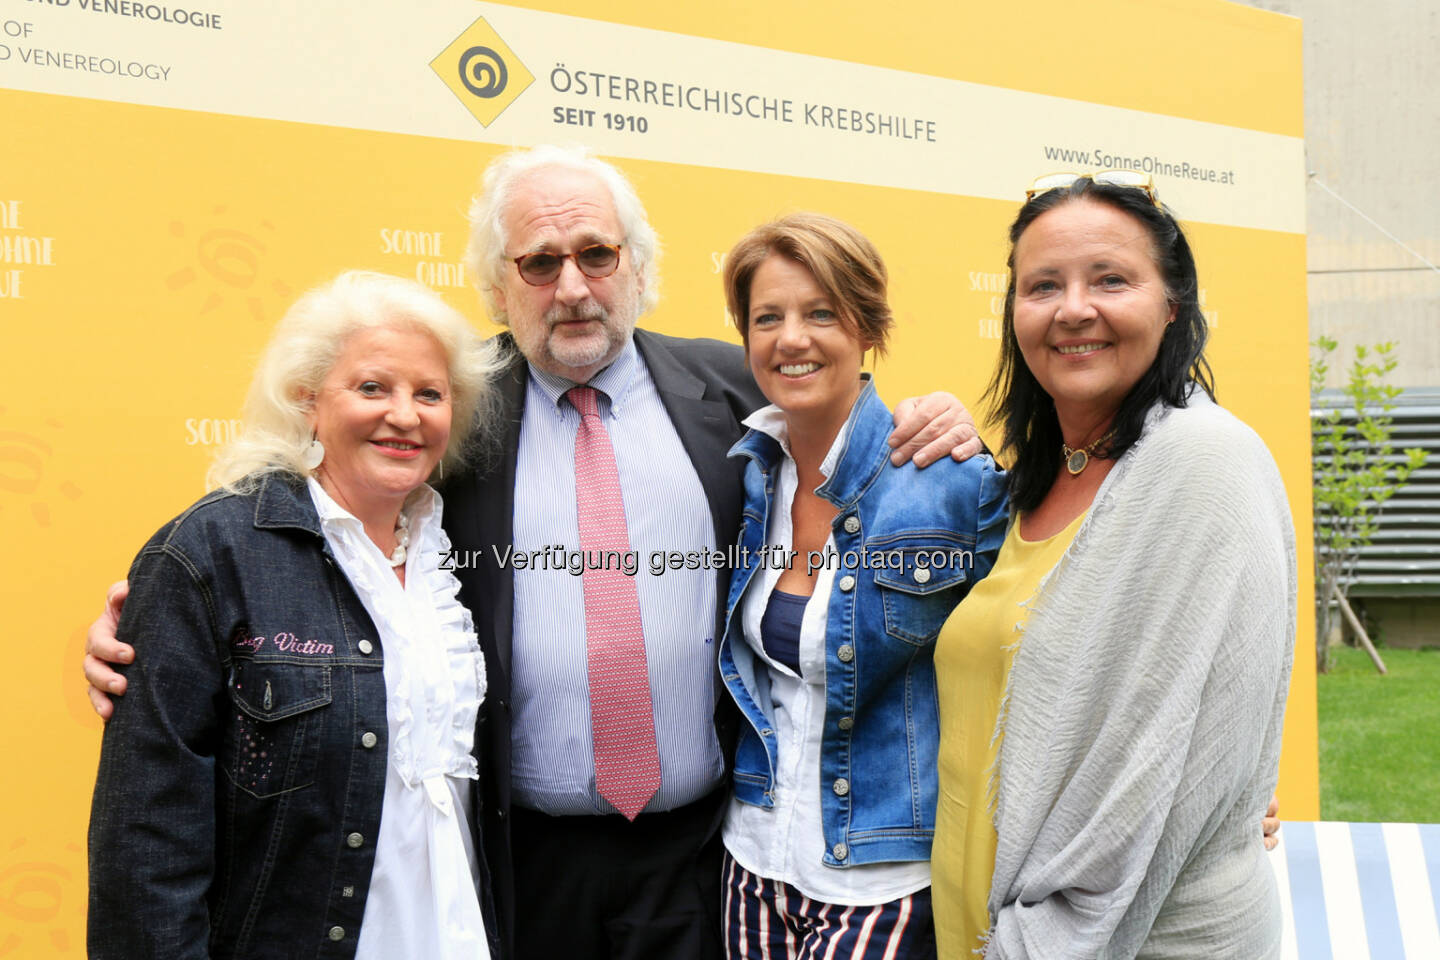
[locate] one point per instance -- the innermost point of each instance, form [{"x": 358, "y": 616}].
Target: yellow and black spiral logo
[{"x": 483, "y": 72}]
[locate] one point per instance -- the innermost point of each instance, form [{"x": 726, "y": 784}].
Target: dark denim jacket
[
  {"x": 910, "y": 544},
  {"x": 241, "y": 778}
]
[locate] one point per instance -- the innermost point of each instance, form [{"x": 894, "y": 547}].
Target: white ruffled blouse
[{"x": 423, "y": 899}]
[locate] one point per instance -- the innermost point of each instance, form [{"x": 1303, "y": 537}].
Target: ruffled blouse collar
[{"x": 434, "y": 671}]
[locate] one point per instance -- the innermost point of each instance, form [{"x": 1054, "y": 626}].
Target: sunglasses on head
[
  {"x": 1113, "y": 178},
  {"x": 597, "y": 261}
]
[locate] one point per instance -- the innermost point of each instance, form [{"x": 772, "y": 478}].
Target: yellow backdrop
[{"x": 155, "y": 225}]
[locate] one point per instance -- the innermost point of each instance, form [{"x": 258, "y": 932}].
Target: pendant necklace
[{"x": 1078, "y": 460}]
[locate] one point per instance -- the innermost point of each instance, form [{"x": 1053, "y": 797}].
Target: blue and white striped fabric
[{"x": 1359, "y": 891}]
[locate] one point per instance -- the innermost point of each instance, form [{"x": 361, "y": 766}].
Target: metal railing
[{"x": 1403, "y": 558}]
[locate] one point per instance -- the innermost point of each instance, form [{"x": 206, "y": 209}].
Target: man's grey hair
[{"x": 485, "y": 257}]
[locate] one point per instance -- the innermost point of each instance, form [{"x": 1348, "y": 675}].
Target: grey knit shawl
[{"x": 1142, "y": 718}]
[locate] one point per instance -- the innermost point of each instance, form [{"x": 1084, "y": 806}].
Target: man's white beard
[{"x": 595, "y": 347}]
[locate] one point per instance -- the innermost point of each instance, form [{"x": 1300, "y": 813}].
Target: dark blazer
[{"x": 707, "y": 390}]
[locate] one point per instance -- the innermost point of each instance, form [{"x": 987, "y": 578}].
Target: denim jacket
[
  {"x": 241, "y": 777},
  {"x": 910, "y": 543}
]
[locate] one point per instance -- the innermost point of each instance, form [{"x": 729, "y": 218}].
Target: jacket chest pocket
[
  {"x": 920, "y": 580},
  {"x": 277, "y": 723}
]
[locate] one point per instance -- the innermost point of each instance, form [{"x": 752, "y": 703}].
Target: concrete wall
[
  {"x": 1372, "y": 134},
  {"x": 1405, "y": 623}
]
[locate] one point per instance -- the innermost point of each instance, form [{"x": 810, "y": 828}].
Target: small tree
[{"x": 1354, "y": 473}]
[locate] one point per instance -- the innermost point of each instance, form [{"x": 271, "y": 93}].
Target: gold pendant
[{"x": 1078, "y": 461}]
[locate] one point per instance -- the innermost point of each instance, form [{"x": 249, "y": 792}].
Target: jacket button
[
  {"x": 847, "y": 723},
  {"x": 841, "y": 786},
  {"x": 852, "y": 524},
  {"x": 368, "y": 739},
  {"x": 840, "y": 851},
  {"x": 922, "y": 574},
  {"x": 846, "y": 653},
  {"x": 365, "y": 647},
  {"x": 847, "y": 583},
  {"x": 337, "y": 934},
  {"x": 354, "y": 840}
]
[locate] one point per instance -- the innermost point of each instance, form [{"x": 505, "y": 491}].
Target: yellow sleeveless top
[{"x": 972, "y": 665}]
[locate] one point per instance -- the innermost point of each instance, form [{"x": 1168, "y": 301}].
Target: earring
[
  {"x": 442, "y": 470},
  {"x": 313, "y": 455}
]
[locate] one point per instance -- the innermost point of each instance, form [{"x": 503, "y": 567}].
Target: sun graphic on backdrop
[
  {"x": 230, "y": 263},
  {"x": 24, "y": 462},
  {"x": 39, "y": 896}
]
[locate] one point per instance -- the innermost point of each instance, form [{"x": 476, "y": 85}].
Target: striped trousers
[{"x": 770, "y": 920}]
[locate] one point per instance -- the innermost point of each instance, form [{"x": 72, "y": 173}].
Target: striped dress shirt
[{"x": 552, "y": 763}]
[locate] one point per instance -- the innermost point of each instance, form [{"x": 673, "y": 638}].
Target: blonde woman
[{"x": 291, "y": 768}]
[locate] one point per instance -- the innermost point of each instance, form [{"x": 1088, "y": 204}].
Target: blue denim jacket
[
  {"x": 241, "y": 777},
  {"x": 911, "y": 543}
]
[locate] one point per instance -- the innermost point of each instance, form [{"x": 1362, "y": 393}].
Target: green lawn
[{"x": 1380, "y": 737}]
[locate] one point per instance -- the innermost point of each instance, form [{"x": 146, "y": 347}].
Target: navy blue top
[{"x": 780, "y": 628}]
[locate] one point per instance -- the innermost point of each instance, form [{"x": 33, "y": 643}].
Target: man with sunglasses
[{"x": 600, "y": 812}]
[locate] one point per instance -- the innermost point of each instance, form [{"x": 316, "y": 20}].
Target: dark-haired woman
[{"x": 1112, "y": 694}]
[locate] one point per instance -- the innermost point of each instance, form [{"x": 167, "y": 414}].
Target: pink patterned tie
[{"x": 622, "y": 723}]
